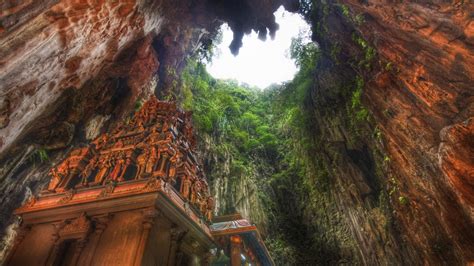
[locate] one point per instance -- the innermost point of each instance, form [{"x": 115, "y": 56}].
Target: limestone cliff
[{"x": 420, "y": 93}]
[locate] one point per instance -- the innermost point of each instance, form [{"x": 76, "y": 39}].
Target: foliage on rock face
[
  {"x": 237, "y": 114},
  {"x": 268, "y": 131},
  {"x": 310, "y": 146}
]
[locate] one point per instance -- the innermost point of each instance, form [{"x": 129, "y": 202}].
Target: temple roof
[
  {"x": 235, "y": 224},
  {"x": 153, "y": 149}
]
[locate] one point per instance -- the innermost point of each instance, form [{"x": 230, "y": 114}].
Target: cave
[{"x": 365, "y": 157}]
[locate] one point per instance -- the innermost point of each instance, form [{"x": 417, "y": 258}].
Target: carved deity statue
[
  {"x": 154, "y": 136},
  {"x": 195, "y": 190},
  {"x": 88, "y": 171},
  {"x": 202, "y": 204},
  {"x": 185, "y": 186},
  {"x": 175, "y": 163},
  {"x": 104, "y": 164},
  {"x": 118, "y": 168},
  {"x": 141, "y": 162},
  {"x": 58, "y": 174},
  {"x": 210, "y": 208},
  {"x": 128, "y": 161},
  {"x": 55, "y": 179},
  {"x": 140, "y": 125},
  {"x": 150, "y": 164}
]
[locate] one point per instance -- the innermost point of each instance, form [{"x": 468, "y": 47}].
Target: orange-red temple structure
[
  {"x": 241, "y": 240},
  {"x": 134, "y": 196}
]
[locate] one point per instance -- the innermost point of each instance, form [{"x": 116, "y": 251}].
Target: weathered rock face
[
  {"x": 425, "y": 109},
  {"x": 420, "y": 94},
  {"x": 48, "y": 47},
  {"x": 233, "y": 191}
]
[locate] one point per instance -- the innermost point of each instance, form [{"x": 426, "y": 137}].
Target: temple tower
[{"x": 134, "y": 196}]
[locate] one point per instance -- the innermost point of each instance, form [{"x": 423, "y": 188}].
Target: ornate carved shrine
[
  {"x": 239, "y": 241},
  {"x": 134, "y": 196}
]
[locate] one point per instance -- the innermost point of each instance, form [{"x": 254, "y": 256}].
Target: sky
[{"x": 259, "y": 63}]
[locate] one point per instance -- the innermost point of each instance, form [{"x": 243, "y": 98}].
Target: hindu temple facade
[{"x": 134, "y": 196}]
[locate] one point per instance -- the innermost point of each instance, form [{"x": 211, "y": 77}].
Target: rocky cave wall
[
  {"x": 423, "y": 102},
  {"x": 234, "y": 191},
  {"x": 69, "y": 69},
  {"x": 416, "y": 63}
]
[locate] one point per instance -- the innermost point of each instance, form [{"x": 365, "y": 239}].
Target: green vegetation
[
  {"x": 369, "y": 52},
  {"x": 299, "y": 144},
  {"x": 271, "y": 132},
  {"x": 237, "y": 114},
  {"x": 361, "y": 113},
  {"x": 40, "y": 155},
  {"x": 138, "y": 105},
  {"x": 403, "y": 200}
]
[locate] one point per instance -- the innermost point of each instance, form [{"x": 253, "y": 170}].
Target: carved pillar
[
  {"x": 235, "y": 250},
  {"x": 176, "y": 238},
  {"x": 54, "y": 251},
  {"x": 149, "y": 216},
  {"x": 100, "y": 225},
  {"x": 77, "y": 230}
]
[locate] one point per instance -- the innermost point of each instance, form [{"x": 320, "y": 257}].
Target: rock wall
[
  {"x": 234, "y": 191},
  {"x": 416, "y": 60},
  {"x": 425, "y": 107}
]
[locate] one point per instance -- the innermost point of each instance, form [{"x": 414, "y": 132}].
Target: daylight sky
[{"x": 259, "y": 63}]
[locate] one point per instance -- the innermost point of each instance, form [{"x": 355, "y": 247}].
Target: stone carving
[
  {"x": 67, "y": 196},
  {"x": 58, "y": 174},
  {"x": 117, "y": 169},
  {"x": 141, "y": 161},
  {"x": 104, "y": 165},
  {"x": 195, "y": 191},
  {"x": 81, "y": 224},
  {"x": 88, "y": 171},
  {"x": 108, "y": 189},
  {"x": 156, "y": 144},
  {"x": 152, "y": 185},
  {"x": 185, "y": 186},
  {"x": 210, "y": 208},
  {"x": 150, "y": 164}
]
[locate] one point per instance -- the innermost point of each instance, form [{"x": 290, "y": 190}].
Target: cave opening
[{"x": 261, "y": 61}]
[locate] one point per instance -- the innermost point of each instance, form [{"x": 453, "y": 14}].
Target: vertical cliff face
[
  {"x": 424, "y": 106},
  {"x": 235, "y": 190},
  {"x": 416, "y": 63}
]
